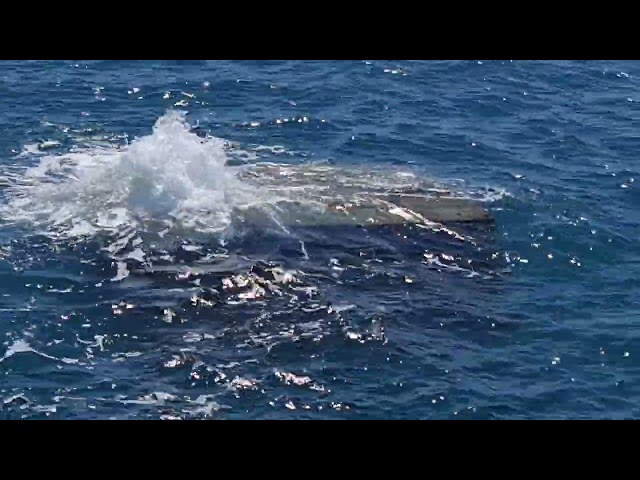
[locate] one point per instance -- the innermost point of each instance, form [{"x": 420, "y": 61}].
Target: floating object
[{"x": 48, "y": 144}]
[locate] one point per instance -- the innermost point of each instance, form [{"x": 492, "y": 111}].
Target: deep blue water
[{"x": 535, "y": 319}]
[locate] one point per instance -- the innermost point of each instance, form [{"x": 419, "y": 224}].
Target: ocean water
[{"x": 163, "y": 254}]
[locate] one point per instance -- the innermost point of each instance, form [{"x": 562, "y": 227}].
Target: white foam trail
[{"x": 21, "y": 346}]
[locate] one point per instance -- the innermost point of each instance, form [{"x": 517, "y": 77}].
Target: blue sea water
[{"x": 128, "y": 283}]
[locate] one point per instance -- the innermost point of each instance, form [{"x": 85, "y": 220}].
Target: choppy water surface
[{"x": 164, "y": 251}]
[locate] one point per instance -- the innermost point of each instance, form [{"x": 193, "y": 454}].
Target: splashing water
[{"x": 171, "y": 178}]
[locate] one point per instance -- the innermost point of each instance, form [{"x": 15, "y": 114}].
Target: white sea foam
[{"x": 172, "y": 178}]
